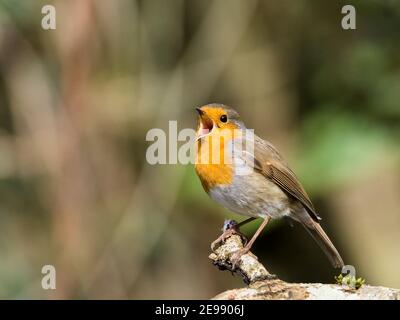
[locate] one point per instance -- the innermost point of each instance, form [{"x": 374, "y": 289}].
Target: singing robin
[{"x": 268, "y": 189}]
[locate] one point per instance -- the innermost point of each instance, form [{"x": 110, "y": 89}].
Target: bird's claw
[
  {"x": 230, "y": 228},
  {"x": 221, "y": 239},
  {"x": 235, "y": 257}
]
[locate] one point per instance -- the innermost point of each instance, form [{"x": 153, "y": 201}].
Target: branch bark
[{"x": 265, "y": 286}]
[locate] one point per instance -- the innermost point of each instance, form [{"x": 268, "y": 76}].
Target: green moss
[{"x": 350, "y": 281}]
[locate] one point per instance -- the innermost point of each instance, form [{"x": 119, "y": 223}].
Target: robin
[{"x": 268, "y": 190}]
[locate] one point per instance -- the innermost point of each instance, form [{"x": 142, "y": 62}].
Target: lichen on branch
[{"x": 261, "y": 285}]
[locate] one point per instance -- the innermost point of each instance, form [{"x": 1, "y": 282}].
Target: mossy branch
[{"x": 261, "y": 285}]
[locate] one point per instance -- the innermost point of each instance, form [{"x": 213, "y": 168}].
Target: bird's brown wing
[{"x": 269, "y": 162}]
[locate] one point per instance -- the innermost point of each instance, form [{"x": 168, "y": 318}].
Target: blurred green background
[{"x": 76, "y": 104}]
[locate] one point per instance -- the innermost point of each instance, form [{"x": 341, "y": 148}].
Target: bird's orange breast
[{"x": 211, "y": 165}]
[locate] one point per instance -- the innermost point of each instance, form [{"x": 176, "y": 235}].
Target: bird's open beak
[
  {"x": 201, "y": 112},
  {"x": 205, "y": 124}
]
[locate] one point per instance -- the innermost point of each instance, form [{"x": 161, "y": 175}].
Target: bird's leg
[
  {"x": 235, "y": 258},
  {"x": 241, "y": 224},
  {"x": 231, "y": 227}
]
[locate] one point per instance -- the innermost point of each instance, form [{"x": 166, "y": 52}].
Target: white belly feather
[{"x": 252, "y": 195}]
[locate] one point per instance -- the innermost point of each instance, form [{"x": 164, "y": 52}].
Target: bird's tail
[{"x": 319, "y": 235}]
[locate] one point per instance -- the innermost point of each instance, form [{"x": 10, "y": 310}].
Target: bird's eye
[{"x": 223, "y": 118}]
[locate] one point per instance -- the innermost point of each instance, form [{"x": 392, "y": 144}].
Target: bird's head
[{"x": 213, "y": 118}]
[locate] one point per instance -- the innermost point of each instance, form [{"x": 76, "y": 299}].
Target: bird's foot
[
  {"x": 222, "y": 238},
  {"x": 230, "y": 228},
  {"x": 235, "y": 257}
]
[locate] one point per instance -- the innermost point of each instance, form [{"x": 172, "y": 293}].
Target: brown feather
[
  {"x": 270, "y": 163},
  {"x": 319, "y": 235}
]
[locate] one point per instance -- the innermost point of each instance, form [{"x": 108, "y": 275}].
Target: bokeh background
[{"x": 76, "y": 103}]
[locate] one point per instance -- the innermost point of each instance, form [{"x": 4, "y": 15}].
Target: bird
[{"x": 266, "y": 189}]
